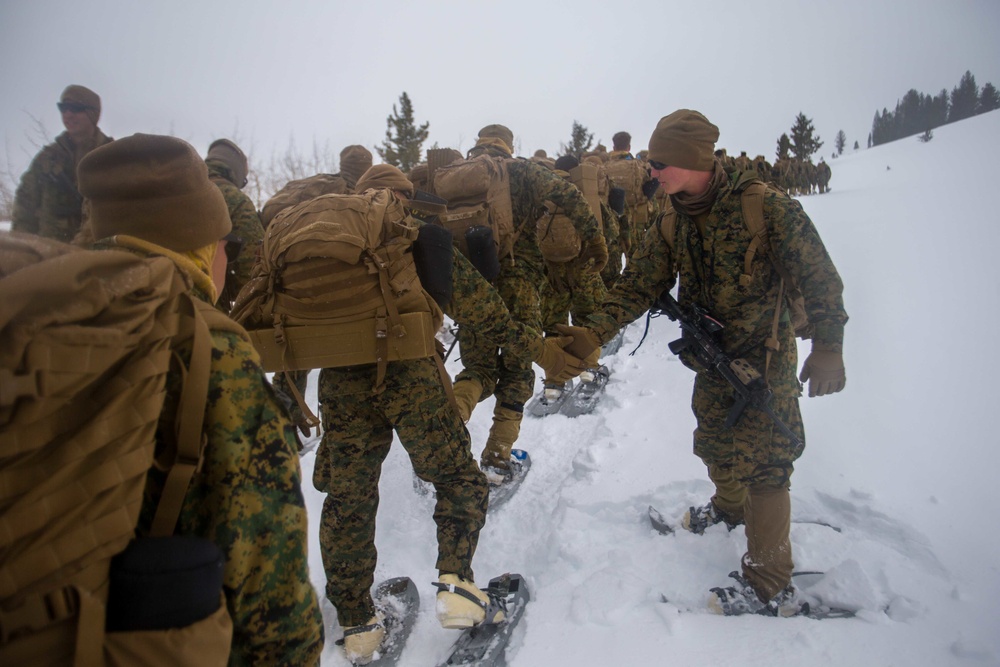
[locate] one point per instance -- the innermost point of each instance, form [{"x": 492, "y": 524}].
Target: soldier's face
[
  {"x": 672, "y": 179},
  {"x": 77, "y": 123}
]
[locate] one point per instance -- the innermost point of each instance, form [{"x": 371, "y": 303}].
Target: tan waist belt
[{"x": 310, "y": 346}]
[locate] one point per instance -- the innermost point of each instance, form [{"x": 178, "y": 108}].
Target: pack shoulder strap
[
  {"x": 752, "y": 203},
  {"x": 191, "y": 439}
]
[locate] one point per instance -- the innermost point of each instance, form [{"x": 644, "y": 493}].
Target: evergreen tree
[
  {"x": 579, "y": 143},
  {"x": 856, "y": 146},
  {"x": 804, "y": 140},
  {"x": 403, "y": 139},
  {"x": 839, "y": 142},
  {"x": 964, "y": 98},
  {"x": 784, "y": 145},
  {"x": 989, "y": 99},
  {"x": 938, "y": 113},
  {"x": 869, "y": 140}
]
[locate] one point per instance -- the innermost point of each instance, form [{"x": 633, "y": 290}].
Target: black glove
[
  {"x": 616, "y": 200},
  {"x": 650, "y": 187}
]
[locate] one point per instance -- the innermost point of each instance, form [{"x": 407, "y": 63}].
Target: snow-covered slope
[{"x": 903, "y": 461}]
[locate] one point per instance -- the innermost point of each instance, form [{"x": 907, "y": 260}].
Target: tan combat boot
[
  {"x": 361, "y": 641},
  {"x": 460, "y": 604},
  {"x": 495, "y": 460}
]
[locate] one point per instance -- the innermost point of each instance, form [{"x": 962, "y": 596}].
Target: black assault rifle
[{"x": 700, "y": 332}]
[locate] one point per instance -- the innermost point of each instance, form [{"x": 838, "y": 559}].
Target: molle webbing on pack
[
  {"x": 629, "y": 175},
  {"x": 557, "y": 237},
  {"x": 336, "y": 286},
  {"x": 303, "y": 189},
  {"x": 86, "y": 343},
  {"x": 478, "y": 193}
]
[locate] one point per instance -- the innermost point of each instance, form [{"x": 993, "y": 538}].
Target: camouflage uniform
[
  {"x": 47, "y": 202},
  {"x": 357, "y": 433},
  {"x": 246, "y": 225},
  {"x": 247, "y": 499},
  {"x": 753, "y": 454},
  {"x": 507, "y": 376}
]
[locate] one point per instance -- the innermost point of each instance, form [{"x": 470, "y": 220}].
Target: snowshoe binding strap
[{"x": 497, "y": 599}]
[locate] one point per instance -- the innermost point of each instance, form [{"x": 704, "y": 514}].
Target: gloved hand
[
  {"x": 616, "y": 200},
  {"x": 559, "y": 365},
  {"x": 597, "y": 250},
  {"x": 824, "y": 369},
  {"x": 584, "y": 343},
  {"x": 650, "y": 187}
]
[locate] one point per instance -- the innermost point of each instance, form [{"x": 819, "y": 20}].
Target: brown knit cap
[
  {"x": 684, "y": 139},
  {"x": 384, "y": 176},
  {"x": 354, "y": 161},
  {"x": 85, "y": 96},
  {"x": 155, "y": 188},
  {"x": 229, "y": 154},
  {"x": 501, "y": 132}
]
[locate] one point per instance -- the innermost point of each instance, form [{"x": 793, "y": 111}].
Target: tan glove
[
  {"x": 584, "y": 344},
  {"x": 596, "y": 250},
  {"x": 824, "y": 369},
  {"x": 559, "y": 365}
]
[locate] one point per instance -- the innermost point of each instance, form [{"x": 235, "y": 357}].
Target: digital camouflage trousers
[{"x": 358, "y": 428}]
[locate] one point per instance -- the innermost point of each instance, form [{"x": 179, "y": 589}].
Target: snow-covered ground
[{"x": 904, "y": 461}]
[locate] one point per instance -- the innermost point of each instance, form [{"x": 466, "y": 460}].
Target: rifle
[{"x": 700, "y": 331}]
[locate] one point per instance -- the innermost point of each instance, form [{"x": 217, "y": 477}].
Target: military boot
[
  {"x": 361, "y": 641},
  {"x": 743, "y": 599},
  {"x": 460, "y": 604},
  {"x": 698, "y": 519},
  {"x": 495, "y": 460}
]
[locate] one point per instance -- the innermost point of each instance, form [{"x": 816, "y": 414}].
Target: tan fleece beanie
[
  {"x": 384, "y": 176},
  {"x": 501, "y": 132},
  {"x": 684, "y": 139},
  {"x": 155, "y": 188},
  {"x": 354, "y": 161}
]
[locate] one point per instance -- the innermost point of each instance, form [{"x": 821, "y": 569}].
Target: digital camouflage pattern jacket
[
  {"x": 708, "y": 268},
  {"x": 246, "y": 225},
  {"x": 47, "y": 201}
]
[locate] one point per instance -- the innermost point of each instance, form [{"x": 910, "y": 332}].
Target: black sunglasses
[
  {"x": 658, "y": 166},
  {"x": 75, "y": 107}
]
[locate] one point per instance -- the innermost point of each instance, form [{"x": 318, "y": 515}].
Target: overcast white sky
[{"x": 265, "y": 72}]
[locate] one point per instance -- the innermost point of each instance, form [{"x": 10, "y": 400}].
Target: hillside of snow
[{"x": 903, "y": 461}]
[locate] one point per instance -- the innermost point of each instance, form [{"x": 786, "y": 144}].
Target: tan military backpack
[
  {"x": 478, "y": 193},
  {"x": 335, "y": 285},
  {"x": 629, "y": 175},
  {"x": 556, "y": 235},
  {"x": 303, "y": 189},
  {"x": 86, "y": 343}
]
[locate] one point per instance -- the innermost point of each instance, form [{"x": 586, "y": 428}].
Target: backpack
[
  {"x": 629, "y": 175},
  {"x": 478, "y": 193},
  {"x": 335, "y": 285},
  {"x": 557, "y": 238},
  {"x": 752, "y": 205},
  {"x": 303, "y": 189},
  {"x": 86, "y": 344}
]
